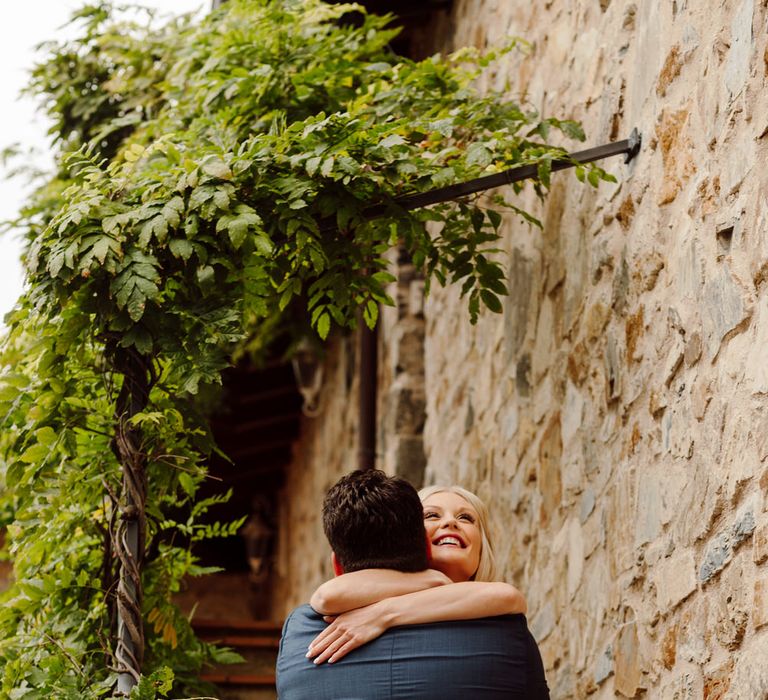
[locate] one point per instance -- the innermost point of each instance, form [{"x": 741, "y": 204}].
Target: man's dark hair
[{"x": 375, "y": 521}]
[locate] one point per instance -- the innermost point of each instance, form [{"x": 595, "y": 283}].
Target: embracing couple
[{"x": 404, "y": 618}]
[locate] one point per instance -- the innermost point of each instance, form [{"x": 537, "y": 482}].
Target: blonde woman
[{"x": 460, "y": 585}]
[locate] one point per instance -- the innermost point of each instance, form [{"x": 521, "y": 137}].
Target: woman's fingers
[
  {"x": 349, "y": 645},
  {"x": 324, "y": 639},
  {"x": 332, "y": 648}
]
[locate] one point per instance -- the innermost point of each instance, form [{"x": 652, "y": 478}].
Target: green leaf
[
  {"x": 371, "y": 314},
  {"x": 205, "y": 276},
  {"x": 187, "y": 483},
  {"x": 491, "y": 301},
  {"x": 217, "y": 168},
  {"x": 35, "y": 454},
  {"x": 392, "y": 140},
  {"x": 181, "y": 248},
  {"x": 323, "y": 325}
]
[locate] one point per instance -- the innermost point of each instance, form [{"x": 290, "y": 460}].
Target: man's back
[{"x": 487, "y": 659}]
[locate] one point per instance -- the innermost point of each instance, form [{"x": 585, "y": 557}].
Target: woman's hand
[{"x": 347, "y": 632}]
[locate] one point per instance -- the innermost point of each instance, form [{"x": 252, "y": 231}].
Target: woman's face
[{"x": 454, "y": 535}]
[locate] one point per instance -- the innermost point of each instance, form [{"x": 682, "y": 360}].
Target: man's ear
[{"x": 338, "y": 569}]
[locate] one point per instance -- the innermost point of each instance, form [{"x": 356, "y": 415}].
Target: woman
[{"x": 361, "y": 605}]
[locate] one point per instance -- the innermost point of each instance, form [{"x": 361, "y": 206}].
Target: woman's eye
[
  {"x": 468, "y": 518},
  {"x": 429, "y": 515}
]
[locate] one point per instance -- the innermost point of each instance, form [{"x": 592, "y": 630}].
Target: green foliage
[{"x": 215, "y": 189}]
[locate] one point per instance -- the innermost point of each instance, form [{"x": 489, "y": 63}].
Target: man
[{"x": 375, "y": 521}]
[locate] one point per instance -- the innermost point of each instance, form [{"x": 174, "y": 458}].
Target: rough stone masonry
[{"x": 615, "y": 417}]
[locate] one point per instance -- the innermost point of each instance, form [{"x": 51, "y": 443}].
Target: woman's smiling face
[{"x": 454, "y": 535}]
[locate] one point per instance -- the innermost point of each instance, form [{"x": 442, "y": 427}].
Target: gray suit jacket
[{"x": 487, "y": 659}]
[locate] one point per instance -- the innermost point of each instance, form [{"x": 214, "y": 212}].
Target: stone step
[{"x": 257, "y": 641}]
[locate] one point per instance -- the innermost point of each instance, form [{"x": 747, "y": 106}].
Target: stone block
[
  {"x": 730, "y": 607},
  {"x": 687, "y": 686},
  {"x": 676, "y": 148},
  {"x": 760, "y": 547},
  {"x": 409, "y": 459},
  {"x": 694, "y": 638},
  {"x": 722, "y": 546},
  {"x": 756, "y": 368},
  {"x": 648, "y": 516},
  {"x": 549, "y": 480},
  {"x": 578, "y": 363},
  {"x": 626, "y": 661},
  {"x": 613, "y": 370},
  {"x": 760, "y": 603},
  {"x": 518, "y": 305},
  {"x": 572, "y": 413},
  {"x": 740, "y": 51},
  {"x": 717, "y": 681},
  {"x": 604, "y": 665},
  {"x": 749, "y": 679},
  {"x": 586, "y": 504},
  {"x": 575, "y": 552},
  {"x": 717, "y": 555},
  {"x": 723, "y": 311},
  {"x": 543, "y": 622},
  {"x": 405, "y": 412},
  {"x": 668, "y": 647},
  {"x": 692, "y": 349},
  {"x": 675, "y": 579}
]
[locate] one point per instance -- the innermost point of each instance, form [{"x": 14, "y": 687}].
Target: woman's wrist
[{"x": 387, "y": 612}]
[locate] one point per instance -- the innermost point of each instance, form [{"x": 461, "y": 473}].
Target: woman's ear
[{"x": 338, "y": 569}]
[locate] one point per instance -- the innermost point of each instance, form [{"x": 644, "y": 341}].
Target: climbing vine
[{"x": 215, "y": 190}]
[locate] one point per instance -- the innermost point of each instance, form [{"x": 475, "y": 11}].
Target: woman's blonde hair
[{"x": 486, "y": 570}]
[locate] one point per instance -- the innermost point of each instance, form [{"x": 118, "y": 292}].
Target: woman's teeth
[{"x": 449, "y": 541}]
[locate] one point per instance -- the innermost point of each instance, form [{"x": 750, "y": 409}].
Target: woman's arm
[
  {"x": 360, "y": 588},
  {"x": 458, "y": 601}
]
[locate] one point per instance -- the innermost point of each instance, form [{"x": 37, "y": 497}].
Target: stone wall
[{"x": 615, "y": 417}]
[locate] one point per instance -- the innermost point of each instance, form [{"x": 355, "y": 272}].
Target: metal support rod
[{"x": 629, "y": 147}]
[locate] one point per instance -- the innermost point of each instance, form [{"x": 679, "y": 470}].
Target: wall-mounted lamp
[{"x": 308, "y": 370}]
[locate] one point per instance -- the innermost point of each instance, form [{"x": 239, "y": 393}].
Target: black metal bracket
[{"x": 630, "y": 147}]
